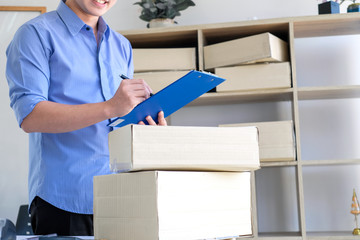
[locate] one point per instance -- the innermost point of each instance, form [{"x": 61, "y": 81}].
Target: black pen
[{"x": 125, "y": 77}]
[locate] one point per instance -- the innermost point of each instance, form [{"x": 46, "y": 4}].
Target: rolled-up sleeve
[{"x": 27, "y": 70}]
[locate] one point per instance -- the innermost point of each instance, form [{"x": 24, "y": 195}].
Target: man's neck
[{"x": 87, "y": 18}]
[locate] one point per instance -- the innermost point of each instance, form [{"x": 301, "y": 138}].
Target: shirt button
[{"x": 88, "y": 28}]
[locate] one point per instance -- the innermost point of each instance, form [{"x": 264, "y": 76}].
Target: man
[{"x": 63, "y": 71}]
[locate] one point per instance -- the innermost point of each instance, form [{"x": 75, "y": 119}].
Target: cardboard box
[
  {"x": 167, "y": 205},
  {"x": 254, "y": 77},
  {"x": 146, "y": 147},
  {"x": 159, "y": 80},
  {"x": 263, "y": 47},
  {"x": 276, "y": 140},
  {"x": 163, "y": 59}
]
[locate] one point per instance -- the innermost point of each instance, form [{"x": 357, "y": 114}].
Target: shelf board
[
  {"x": 311, "y": 163},
  {"x": 329, "y": 92},
  {"x": 331, "y": 235},
  {"x": 279, "y": 235},
  {"x": 304, "y": 26},
  {"x": 278, "y": 164},
  {"x": 330, "y": 162},
  {"x": 327, "y": 25},
  {"x": 214, "y": 98},
  {"x": 309, "y": 236}
]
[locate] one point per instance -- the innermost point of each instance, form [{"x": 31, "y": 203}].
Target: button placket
[{"x": 103, "y": 77}]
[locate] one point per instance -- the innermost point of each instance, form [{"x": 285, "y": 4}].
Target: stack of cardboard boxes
[
  {"x": 177, "y": 183},
  {"x": 250, "y": 63},
  {"x": 258, "y": 62},
  {"x": 193, "y": 182}
]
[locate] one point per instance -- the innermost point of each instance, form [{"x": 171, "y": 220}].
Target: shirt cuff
[{"x": 24, "y": 106}]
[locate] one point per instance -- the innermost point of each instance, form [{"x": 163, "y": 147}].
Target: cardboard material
[
  {"x": 162, "y": 59},
  {"x": 254, "y": 77},
  {"x": 146, "y": 147},
  {"x": 160, "y": 205},
  {"x": 159, "y": 80},
  {"x": 263, "y": 47},
  {"x": 276, "y": 140}
]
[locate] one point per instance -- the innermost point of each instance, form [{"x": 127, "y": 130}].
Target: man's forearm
[{"x": 53, "y": 117}]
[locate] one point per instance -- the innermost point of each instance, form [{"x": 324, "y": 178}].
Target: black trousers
[{"x": 48, "y": 219}]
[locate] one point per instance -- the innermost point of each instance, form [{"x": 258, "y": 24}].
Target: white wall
[
  {"x": 212, "y": 11},
  {"x": 329, "y": 130},
  {"x": 124, "y": 14},
  {"x": 13, "y": 163},
  {"x": 13, "y": 141}
]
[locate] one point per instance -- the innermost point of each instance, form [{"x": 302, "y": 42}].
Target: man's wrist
[{"x": 108, "y": 109}]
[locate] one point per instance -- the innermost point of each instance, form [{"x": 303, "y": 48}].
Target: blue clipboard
[{"x": 171, "y": 98}]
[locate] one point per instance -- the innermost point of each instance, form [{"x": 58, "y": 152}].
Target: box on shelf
[
  {"x": 170, "y": 205},
  {"x": 162, "y": 59},
  {"x": 329, "y": 7},
  {"x": 254, "y": 77},
  {"x": 355, "y": 7},
  {"x": 159, "y": 80},
  {"x": 263, "y": 47},
  {"x": 146, "y": 147},
  {"x": 276, "y": 140}
]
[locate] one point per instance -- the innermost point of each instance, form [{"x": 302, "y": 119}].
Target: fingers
[
  {"x": 130, "y": 93},
  {"x": 138, "y": 87},
  {"x": 161, "y": 119},
  {"x": 148, "y": 89},
  {"x": 150, "y": 120}
]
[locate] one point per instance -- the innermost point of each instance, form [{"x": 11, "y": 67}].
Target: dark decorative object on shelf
[
  {"x": 355, "y": 7},
  {"x": 355, "y": 209},
  {"x": 162, "y": 12},
  {"x": 329, "y": 7}
]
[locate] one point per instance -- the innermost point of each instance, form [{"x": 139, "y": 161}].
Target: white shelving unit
[{"x": 287, "y": 29}]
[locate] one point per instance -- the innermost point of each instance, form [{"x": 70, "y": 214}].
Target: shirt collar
[
  {"x": 103, "y": 28},
  {"x": 74, "y": 23}
]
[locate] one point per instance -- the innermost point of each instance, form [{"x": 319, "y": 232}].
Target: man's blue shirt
[{"x": 55, "y": 57}]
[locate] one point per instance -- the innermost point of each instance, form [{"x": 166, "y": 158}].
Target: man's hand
[
  {"x": 161, "y": 119},
  {"x": 130, "y": 93}
]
